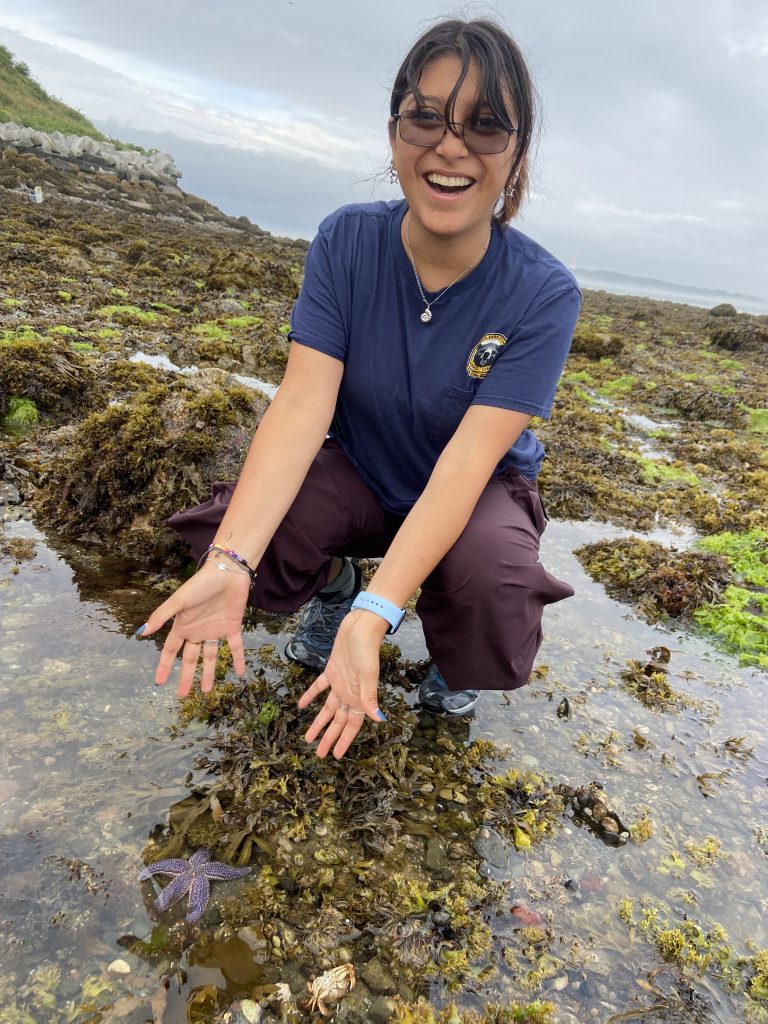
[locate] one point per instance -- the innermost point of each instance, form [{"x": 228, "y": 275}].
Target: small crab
[{"x": 330, "y": 987}]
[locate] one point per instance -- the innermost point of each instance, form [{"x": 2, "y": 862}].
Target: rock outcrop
[{"x": 90, "y": 155}]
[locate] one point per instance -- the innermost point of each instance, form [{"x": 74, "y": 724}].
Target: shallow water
[{"x": 93, "y": 757}]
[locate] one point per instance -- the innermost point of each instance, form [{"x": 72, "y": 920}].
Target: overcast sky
[{"x": 654, "y": 154}]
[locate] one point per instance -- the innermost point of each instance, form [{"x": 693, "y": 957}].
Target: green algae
[
  {"x": 653, "y": 471},
  {"x": 63, "y": 330},
  {"x": 537, "y": 1012},
  {"x": 128, "y": 314},
  {"x": 243, "y": 321},
  {"x": 747, "y": 553},
  {"x": 386, "y": 841},
  {"x": 65, "y": 296},
  {"x": 11, "y": 303},
  {"x": 740, "y": 621},
  {"x": 758, "y": 421},
  {"x": 656, "y": 580},
  {"x": 619, "y": 386},
  {"x": 211, "y": 332},
  {"x": 127, "y": 468},
  {"x": 22, "y": 414},
  {"x": 695, "y": 949}
]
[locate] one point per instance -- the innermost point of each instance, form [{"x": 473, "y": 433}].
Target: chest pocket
[{"x": 452, "y": 405}]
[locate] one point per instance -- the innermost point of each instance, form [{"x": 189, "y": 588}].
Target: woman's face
[{"x": 464, "y": 211}]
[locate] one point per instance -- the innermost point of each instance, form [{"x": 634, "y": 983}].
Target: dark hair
[{"x": 504, "y": 77}]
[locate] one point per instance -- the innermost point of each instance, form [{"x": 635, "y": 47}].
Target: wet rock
[
  {"x": 383, "y": 1009},
  {"x": 436, "y": 858},
  {"x": 591, "y": 882},
  {"x": 378, "y": 977},
  {"x": 118, "y": 967},
  {"x": 9, "y": 495},
  {"x": 724, "y": 309},
  {"x": 230, "y": 307},
  {"x": 491, "y": 847}
]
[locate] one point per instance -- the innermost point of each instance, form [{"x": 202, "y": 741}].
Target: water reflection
[{"x": 93, "y": 757}]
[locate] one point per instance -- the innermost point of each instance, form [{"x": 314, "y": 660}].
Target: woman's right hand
[{"x": 209, "y": 606}]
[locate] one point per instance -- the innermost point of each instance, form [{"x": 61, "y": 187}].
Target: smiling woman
[{"x": 427, "y": 334}]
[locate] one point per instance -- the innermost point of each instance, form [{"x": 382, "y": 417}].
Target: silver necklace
[{"x": 426, "y": 316}]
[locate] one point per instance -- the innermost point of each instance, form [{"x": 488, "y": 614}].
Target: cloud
[
  {"x": 647, "y": 216},
  {"x": 651, "y": 160}
]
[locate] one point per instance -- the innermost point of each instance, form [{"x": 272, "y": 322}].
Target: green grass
[
  {"x": 24, "y": 101},
  {"x": 62, "y": 329},
  {"x": 10, "y": 303}
]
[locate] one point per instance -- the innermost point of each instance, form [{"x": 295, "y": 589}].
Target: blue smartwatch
[{"x": 386, "y": 609}]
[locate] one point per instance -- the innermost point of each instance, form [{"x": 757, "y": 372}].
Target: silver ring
[
  {"x": 343, "y": 707},
  {"x": 355, "y": 711},
  {"x": 210, "y": 643}
]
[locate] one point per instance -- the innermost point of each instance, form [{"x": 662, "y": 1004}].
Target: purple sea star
[{"x": 192, "y": 877}]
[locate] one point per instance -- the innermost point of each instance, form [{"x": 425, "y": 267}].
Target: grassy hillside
[{"x": 24, "y": 101}]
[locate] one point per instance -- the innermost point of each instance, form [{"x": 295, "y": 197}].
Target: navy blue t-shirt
[{"x": 498, "y": 337}]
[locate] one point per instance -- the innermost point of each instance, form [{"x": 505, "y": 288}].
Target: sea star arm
[
  {"x": 174, "y": 866},
  {"x": 223, "y": 872},
  {"x": 173, "y": 892},
  {"x": 199, "y": 894}
]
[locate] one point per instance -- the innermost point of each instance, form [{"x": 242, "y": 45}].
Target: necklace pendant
[{"x": 426, "y": 316}]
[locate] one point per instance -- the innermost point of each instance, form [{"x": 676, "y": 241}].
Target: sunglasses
[{"x": 427, "y": 128}]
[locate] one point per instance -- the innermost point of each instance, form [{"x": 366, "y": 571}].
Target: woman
[{"x": 425, "y": 337}]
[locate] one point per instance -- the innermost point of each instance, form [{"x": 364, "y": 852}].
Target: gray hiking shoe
[
  {"x": 435, "y": 696},
  {"x": 319, "y": 623}
]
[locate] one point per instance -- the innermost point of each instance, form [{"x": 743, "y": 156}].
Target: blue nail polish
[
  {"x": 380, "y": 715},
  {"x": 140, "y": 630}
]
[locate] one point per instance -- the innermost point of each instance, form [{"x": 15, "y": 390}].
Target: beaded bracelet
[{"x": 230, "y": 554}]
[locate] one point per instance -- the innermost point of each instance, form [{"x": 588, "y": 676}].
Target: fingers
[
  {"x": 210, "y": 657},
  {"x": 171, "y": 648},
  {"x": 162, "y": 614},
  {"x": 314, "y": 690},
  {"x": 189, "y": 657},
  {"x": 235, "y": 641},
  {"x": 343, "y": 724}
]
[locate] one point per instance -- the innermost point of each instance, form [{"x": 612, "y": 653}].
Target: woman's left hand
[{"x": 351, "y": 678}]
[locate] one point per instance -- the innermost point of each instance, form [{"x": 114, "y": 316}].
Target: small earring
[
  {"x": 393, "y": 178},
  {"x": 510, "y": 192}
]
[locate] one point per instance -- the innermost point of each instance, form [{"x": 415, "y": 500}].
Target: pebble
[
  {"x": 529, "y": 760},
  {"x": 560, "y": 983},
  {"x": 119, "y": 967},
  {"x": 378, "y": 977},
  {"x": 383, "y": 1009}
]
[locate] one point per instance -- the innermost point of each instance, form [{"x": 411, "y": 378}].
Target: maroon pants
[{"x": 481, "y": 607}]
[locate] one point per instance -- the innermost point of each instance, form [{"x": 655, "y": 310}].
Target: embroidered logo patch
[{"x": 483, "y": 355}]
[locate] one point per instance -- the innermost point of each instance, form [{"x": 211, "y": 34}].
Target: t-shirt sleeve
[
  {"x": 317, "y": 319},
  {"x": 525, "y": 374}
]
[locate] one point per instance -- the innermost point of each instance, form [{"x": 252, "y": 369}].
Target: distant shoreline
[{"x": 624, "y": 284}]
